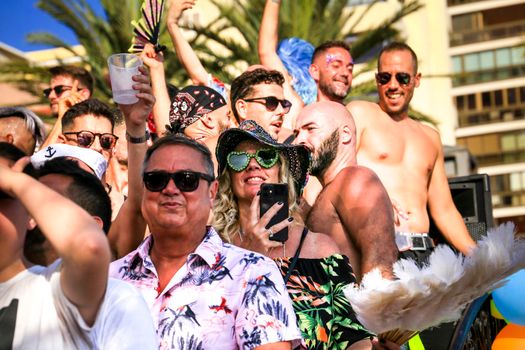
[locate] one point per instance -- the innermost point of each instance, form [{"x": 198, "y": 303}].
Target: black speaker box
[{"x": 471, "y": 195}]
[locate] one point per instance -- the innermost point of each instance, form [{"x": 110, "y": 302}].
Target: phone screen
[{"x": 271, "y": 194}]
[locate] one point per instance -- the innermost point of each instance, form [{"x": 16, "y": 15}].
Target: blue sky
[{"x": 21, "y": 17}]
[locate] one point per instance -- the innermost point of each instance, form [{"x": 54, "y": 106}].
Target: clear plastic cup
[{"x": 122, "y": 66}]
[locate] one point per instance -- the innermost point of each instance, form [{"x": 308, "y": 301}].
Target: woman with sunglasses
[{"x": 314, "y": 271}]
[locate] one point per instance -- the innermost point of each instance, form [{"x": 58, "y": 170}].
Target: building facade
[{"x": 487, "y": 51}]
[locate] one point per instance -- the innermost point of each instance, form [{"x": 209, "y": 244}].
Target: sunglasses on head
[
  {"x": 185, "y": 180},
  {"x": 239, "y": 160},
  {"x": 59, "y": 89},
  {"x": 384, "y": 78},
  {"x": 271, "y": 103},
  {"x": 86, "y": 138}
]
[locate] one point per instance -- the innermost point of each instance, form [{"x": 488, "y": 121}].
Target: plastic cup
[{"x": 122, "y": 66}]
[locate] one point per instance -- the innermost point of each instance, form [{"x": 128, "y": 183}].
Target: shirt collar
[{"x": 210, "y": 247}]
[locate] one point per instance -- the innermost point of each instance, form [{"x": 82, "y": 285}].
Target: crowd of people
[{"x": 139, "y": 226}]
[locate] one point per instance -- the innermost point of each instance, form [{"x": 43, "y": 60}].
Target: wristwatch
[{"x": 140, "y": 139}]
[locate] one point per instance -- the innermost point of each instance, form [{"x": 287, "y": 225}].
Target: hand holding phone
[{"x": 270, "y": 195}]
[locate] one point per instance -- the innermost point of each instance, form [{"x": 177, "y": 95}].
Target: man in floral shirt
[{"x": 202, "y": 293}]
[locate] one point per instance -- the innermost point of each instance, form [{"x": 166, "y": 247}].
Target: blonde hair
[{"x": 226, "y": 210}]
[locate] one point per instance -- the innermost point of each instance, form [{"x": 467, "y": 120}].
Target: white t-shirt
[
  {"x": 35, "y": 314},
  {"x": 124, "y": 320}
]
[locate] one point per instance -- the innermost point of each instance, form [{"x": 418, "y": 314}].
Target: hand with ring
[{"x": 256, "y": 236}]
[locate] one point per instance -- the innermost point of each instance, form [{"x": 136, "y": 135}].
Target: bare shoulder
[
  {"x": 359, "y": 105},
  {"x": 354, "y": 176},
  {"x": 362, "y": 110},
  {"x": 319, "y": 245},
  {"x": 431, "y": 132}
]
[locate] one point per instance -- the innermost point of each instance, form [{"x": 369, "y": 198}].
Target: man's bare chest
[{"x": 396, "y": 146}]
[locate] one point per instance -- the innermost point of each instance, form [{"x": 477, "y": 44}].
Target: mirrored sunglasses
[
  {"x": 59, "y": 89},
  {"x": 384, "y": 78},
  {"x": 265, "y": 157},
  {"x": 271, "y": 103},
  {"x": 86, "y": 138},
  {"x": 185, "y": 180}
]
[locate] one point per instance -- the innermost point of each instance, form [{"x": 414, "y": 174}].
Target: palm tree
[
  {"x": 101, "y": 35},
  {"x": 298, "y": 18},
  {"x": 110, "y": 32}
]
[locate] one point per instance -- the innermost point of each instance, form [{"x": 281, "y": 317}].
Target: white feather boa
[{"x": 424, "y": 297}]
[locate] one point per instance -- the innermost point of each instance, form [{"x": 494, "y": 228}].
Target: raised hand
[
  {"x": 66, "y": 102},
  {"x": 256, "y": 236},
  {"x": 177, "y": 7}
]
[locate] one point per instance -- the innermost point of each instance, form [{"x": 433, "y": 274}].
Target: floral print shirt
[{"x": 223, "y": 297}]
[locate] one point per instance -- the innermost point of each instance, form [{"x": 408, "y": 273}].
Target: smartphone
[{"x": 271, "y": 194}]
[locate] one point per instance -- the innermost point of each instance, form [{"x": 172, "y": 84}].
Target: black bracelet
[{"x": 141, "y": 139}]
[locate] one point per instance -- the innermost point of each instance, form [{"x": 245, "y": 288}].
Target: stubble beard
[
  {"x": 325, "y": 155},
  {"x": 332, "y": 92}
]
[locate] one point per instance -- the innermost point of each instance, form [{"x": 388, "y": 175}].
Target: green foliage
[
  {"x": 101, "y": 35},
  {"x": 110, "y": 32},
  {"x": 316, "y": 21}
]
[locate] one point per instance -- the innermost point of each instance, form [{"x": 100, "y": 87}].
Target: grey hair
[{"x": 33, "y": 123}]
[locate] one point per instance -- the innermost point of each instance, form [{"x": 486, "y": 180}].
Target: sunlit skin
[
  {"x": 66, "y": 81},
  {"x": 394, "y": 97},
  {"x": 407, "y": 155},
  {"x": 332, "y": 72},
  {"x": 271, "y": 121},
  {"x": 91, "y": 123},
  {"x": 357, "y": 215},
  {"x": 209, "y": 125},
  {"x": 171, "y": 209},
  {"x": 247, "y": 183}
]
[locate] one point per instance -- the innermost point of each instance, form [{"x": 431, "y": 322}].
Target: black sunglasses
[
  {"x": 59, "y": 89},
  {"x": 384, "y": 78},
  {"x": 185, "y": 180},
  {"x": 86, "y": 138},
  {"x": 239, "y": 160},
  {"x": 271, "y": 103},
  {"x": 4, "y": 195}
]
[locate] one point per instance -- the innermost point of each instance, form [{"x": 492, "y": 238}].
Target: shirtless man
[
  {"x": 407, "y": 156},
  {"x": 353, "y": 207}
]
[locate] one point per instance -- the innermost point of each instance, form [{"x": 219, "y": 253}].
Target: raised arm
[
  {"x": 267, "y": 47},
  {"x": 269, "y": 38},
  {"x": 161, "y": 108},
  {"x": 186, "y": 55},
  {"x": 441, "y": 206},
  {"x": 73, "y": 233},
  {"x": 366, "y": 212},
  {"x": 127, "y": 231}
]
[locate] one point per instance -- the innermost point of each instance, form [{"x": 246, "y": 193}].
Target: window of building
[
  {"x": 511, "y": 96},
  {"x": 471, "y": 62},
  {"x": 498, "y": 98},
  {"x": 485, "y": 99},
  {"x": 518, "y": 55},
  {"x": 508, "y": 142},
  {"x": 503, "y": 57},
  {"x": 456, "y": 64},
  {"x": 486, "y": 60},
  {"x": 471, "y": 100}
]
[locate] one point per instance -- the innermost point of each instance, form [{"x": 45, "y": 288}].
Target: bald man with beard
[{"x": 353, "y": 207}]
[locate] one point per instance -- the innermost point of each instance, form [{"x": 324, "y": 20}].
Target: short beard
[
  {"x": 325, "y": 155},
  {"x": 331, "y": 93}
]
